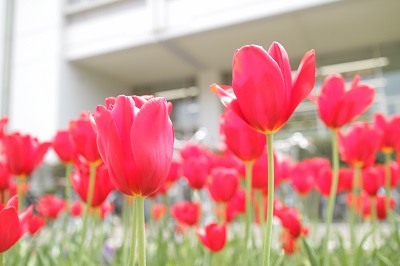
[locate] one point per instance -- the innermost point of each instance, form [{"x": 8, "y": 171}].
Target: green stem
[
  {"x": 68, "y": 170},
  {"x": 1, "y": 259},
  {"x": 21, "y": 199},
  {"x": 88, "y": 204},
  {"x": 249, "y": 168},
  {"x": 332, "y": 195},
  {"x": 374, "y": 219},
  {"x": 270, "y": 209},
  {"x": 141, "y": 231},
  {"x": 387, "y": 182},
  {"x": 354, "y": 199},
  {"x": 261, "y": 214},
  {"x": 134, "y": 231}
]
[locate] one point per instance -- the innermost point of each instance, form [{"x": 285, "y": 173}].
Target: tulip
[
  {"x": 84, "y": 137},
  {"x": 186, "y": 212},
  {"x": 102, "y": 184},
  {"x": 263, "y": 93},
  {"x": 213, "y": 236},
  {"x": 359, "y": 146},
  {"x": 24, "y": 153},
  {"x": 5, "y": 179},
  {"x": 136, "y": 141},
  {"x": 105, "y": 209},
  {"x": 75, "y": 209},
  {"x": 196, "y": 170},
  {"x": 158, "y": 211},
  {"x": 12, "y": 224},
  {"x": 394, "y": 174},
  {"x": 223, "y": 184},
  {"x": 390, "y": 130},
  {"x": 264, "y": 96},
  {"x": 191, "y": 149},
  {"x": 242, "y": 140},
  {"x": 50, "y": 206},
  {"x": 36, "y": 223},
  {"x": 238, "y": 202},
  {"x": 306, "y": 174},
  {"x": 64, "y": 146},
  {"x": 371, "y": 180},
  {"x": 338, "y": 106},
  {"x": 288, "y": 243}
]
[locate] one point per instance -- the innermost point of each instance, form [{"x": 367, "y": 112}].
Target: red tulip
[
  {"x": 288, "y": 243},
  {"x": 84, "y": 136},
  {"x": 186, "y": 212},
  {"x": 263, "y": 93},
  {"x": 371, "y": 181},
  {"x": 24, "y": 153},
  {"x": 135, "y": 139},
  {"x": 50, "y": 206},
  {"x": 345, "y": 179},
  {"x": 284, "y": 169},
  {"x": 223, "y": 184},
  {"x": 196, "y": 170},
  {"x": 64, "y": 146},
  {"x": 242, "y": 140},
  {"x": 290, "y": 219},
  {"x": 3, "y": 123},
  {"x": 213, "y": 236},
  {"x": 394, "y": 173},
  {"x": 36, "y": 223},
  {"x": 390, "y": 129},
  {"x": 5, "y": 179},
  {"x": 158, "y": 211},
  {"x": 12, "y": 224},
  {"x": 75, "y": 209},
  {"x": 105, "y": 209},
  {"x": 381, "y": 212},
  {"x": 306, "y": 173},
  {"x": 259, "y": 179},
  {"x": 238, "y": 202},
  {"x": 191, "y": 149},
  {"x": 175, "y": 172},
  {"x": 338, "y": 106},
  {"x": 102, "y": 184},
  {"x": 359, "y": 145}
]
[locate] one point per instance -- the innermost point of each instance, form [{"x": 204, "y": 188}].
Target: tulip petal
[
  {"x": 259, "y": 87},
  {"x": 330, "y": 97},
  {"x": 110, "y": 148},
  {"x": 304, "y": 81},
  {"x": 279, "y": 54},
  {"x": 9, "y": 228},
  {"x": 152, "y": 139}
]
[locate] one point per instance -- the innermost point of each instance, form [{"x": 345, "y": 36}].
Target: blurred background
[{"x": 61, "y": 57}]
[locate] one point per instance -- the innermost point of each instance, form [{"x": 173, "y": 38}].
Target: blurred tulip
[
  {"x": 84, "y": 135},
  {"x": 238, "y": 201},
  {"x": 135, "y": 138},
  {"x": 213, "y": 236},
  {"x": 158, "y": 211},
  {"x": 64, "y": 146},
  {"x": 24, "y": 153},
  {"x": 5, "y": 179},
  {"x": 338, "y": 106},
  {"x": 359, "y": 145},
  {"x": 75, "y": 209},
  {"x": 259, "y": 179},
  {"x": 371, "y": 180},
  {"x": 224, "y": 183},
  {"x": 102, "y": 183},
  {"x": 196, "y": 171},
  {"x": 394, "y": 173},
  {"x": 390, "y": 132},
  {"x": 263, "y": 93},
  {"x": 12, "y": 224},
  {"x": 50, "y": 206},
  {"x": 242, "y": 140},
  {"x": 306, "y": 173},
  {"x": 288, "y": 243},
  {"x": 186, "y": 212},
  {"x": 36, "y": 223},
  {"x": 105, "y": 209}
]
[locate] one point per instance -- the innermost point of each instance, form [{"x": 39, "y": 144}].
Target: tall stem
[
  {"x": 354, "y": 199},
  {"x": 21, "y": 199},
  {"x": 88, "y": 204},
  {"x": 387, "y": 182},
  {"x": 374, "y": 219},
  {"x": 141, "y": 231},
  {"x": 134, "y": 232},
  {"x": 270, "y": 209},
  {"x": 249, "y": 168},
  {"x": 261, "y": 213},
  {"x": 68, "y": 169},
  {"x": 1, "y": 259},
  {"x": 332, "y": 194}
]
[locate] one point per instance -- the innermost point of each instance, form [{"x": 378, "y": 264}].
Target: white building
[{"x": 61, "y": 57}]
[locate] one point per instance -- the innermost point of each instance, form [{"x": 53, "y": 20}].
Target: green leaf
[
  {"x": 310, "y": 252},
  {"x": 383, "y": 259}
]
